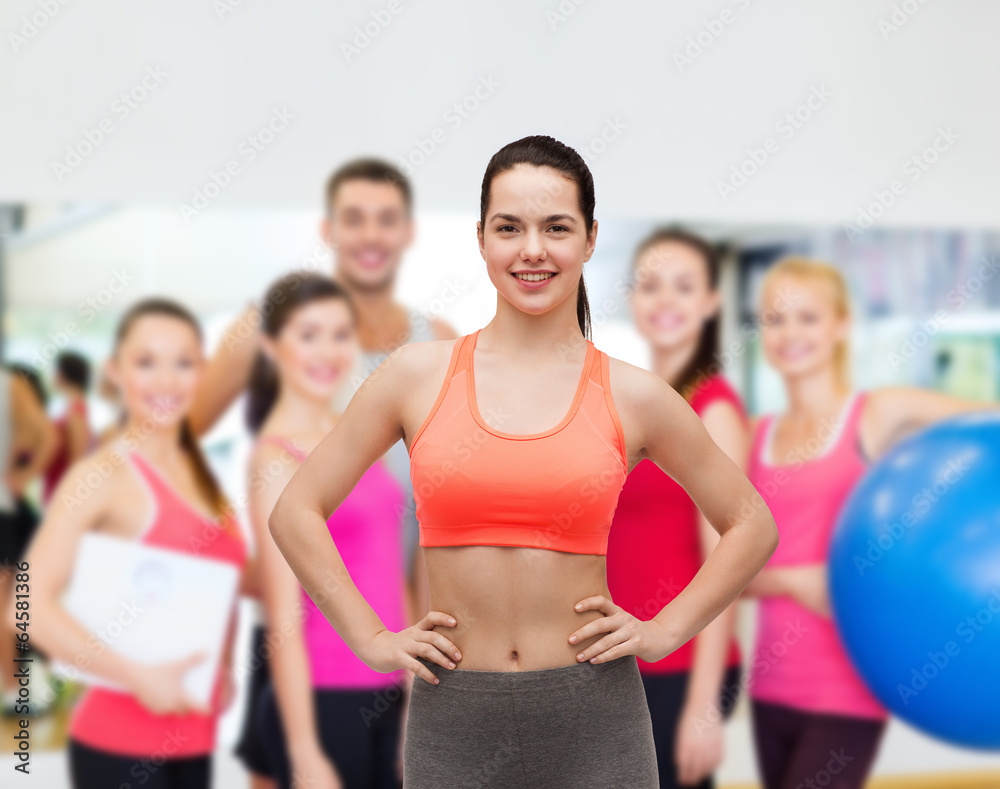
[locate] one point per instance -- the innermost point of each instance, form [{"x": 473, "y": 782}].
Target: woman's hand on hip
[
  {"x": 389, "y": 651},
  {"x": 626, "y": 635}
]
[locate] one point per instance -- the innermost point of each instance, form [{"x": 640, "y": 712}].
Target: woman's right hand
[
  {"x": 160, "y": 687},
  {"x": 312, "y": 768},
  {"x": 808, "y": 586},
  {"x": 389, "y": 651}
]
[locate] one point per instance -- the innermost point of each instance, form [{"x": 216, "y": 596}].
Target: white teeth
[{"x": 535, "y": 277}]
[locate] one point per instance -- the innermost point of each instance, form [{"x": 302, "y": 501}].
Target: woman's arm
[
  {"x": 227, "y": 372},
  {"x": 697, "y": 754},
  {"x": 896, "y": 412},
  {"x": 32, "y": 433},
  {"x": 769, "y": 582},
  {"x": 289, "y": 664},
  {"x": 899, "y": 411},
  {"x": 661, "y": 426},
  {"x": 228, "y": 688},
  {"x": 251, "y": 583},
  {"x": 371, "y": 423},
  {"x": 77, "y": 435},
  {"x": 51, "y": 559}
]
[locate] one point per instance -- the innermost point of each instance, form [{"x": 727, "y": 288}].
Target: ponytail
[
  {"x": 583, "y": 308},
  {"x": 262, "y": 392},
  {"x": 207, "y": 484}
]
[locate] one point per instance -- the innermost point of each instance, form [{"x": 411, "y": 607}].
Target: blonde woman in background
[{"x": 807, "y": 699}]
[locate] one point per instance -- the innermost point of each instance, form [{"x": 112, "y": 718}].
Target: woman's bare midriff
[{"x": 514, "y": 606}]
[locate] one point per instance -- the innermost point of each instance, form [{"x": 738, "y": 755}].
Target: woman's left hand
[
  {"x": 626, "y": 635},
  {"x": 698, "y": 747}
]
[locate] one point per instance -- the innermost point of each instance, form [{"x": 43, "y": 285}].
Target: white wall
[{"x": 684, "y": 127}]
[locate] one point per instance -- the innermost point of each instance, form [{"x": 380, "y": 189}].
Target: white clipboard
[{"x": 151, "y": 605}]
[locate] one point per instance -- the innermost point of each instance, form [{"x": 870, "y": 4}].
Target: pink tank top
[
  {"x": 799, "y": 660},
  {"x": 367, "y": 530},
  {"x": 116, "y": 722}
]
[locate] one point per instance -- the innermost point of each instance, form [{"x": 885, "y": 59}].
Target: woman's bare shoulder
[
  {"x": 635, "y": 387},
  {"x": 417, "y": 362},
  {"x": 97, "y": 482},
  {"x": 269, "y": 467}
]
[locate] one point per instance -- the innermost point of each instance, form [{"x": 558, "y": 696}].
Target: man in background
[{"x": 368, "y": 225}]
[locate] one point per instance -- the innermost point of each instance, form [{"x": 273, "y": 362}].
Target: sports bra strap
[
  {"x": 854, "y": 415},
  {"x": 459, "y": 356},
  {"x": 285, "y": 444},
  {"x": 597, "y": 361}
]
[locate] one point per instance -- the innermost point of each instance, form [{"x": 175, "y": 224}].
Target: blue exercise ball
[{"x": 915, "y": 579}]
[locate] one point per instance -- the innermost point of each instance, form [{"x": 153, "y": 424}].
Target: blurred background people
[
  {"x": 27, "y": 442},
  {"x": 368, "y": 225},
  {"x": 818, "y": 151},
  {"x": 153, "y": 486}
]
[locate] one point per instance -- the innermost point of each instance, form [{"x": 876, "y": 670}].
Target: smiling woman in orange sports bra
[{"x": 520, "y": 437}]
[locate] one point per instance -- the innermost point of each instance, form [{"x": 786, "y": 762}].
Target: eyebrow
[
  {"x": 356, "y": 210},
  {"x": 546, "y": 220}
]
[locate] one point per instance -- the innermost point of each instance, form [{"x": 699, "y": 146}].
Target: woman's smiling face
[
  {"x": 800, "y": 326},
  {"x": 315, "y": 348},
  {"x": 157, "y": 368},
  {"x": 535, "y": 239},
  {"x": 673, "y": 295}
]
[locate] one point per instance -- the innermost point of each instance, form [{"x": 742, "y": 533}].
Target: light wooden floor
[
  {"x": 49, "y": 734},
  {"x": 977, "y": 780}
]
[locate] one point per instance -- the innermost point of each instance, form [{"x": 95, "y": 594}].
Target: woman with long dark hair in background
[
  {"x": 323, "y": 717},
  {"x": 659, "y": 539}
]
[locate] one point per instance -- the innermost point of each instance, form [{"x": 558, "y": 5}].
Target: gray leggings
[{"x": 582, "y": 725}]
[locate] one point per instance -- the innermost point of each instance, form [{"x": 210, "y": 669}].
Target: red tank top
[
  {"x": 557, "y": 489},
  {"x": 116, "y": 722},
  {"x": 60, "y": 460},
  {"x": 654, "y": 550}
]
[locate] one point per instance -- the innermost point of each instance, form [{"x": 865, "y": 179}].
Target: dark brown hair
[
  {"x": 702, "y": 363},
  {"x": 204, "y": 478},
  {"x": 368, "y": 170},
  {"x": 74, "y": 369},
  {"x": 542, "y": 151},
  {"x": 283, "y": 297}
]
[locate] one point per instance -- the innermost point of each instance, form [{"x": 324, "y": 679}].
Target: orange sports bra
[{"x": 557, "y": 490}]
